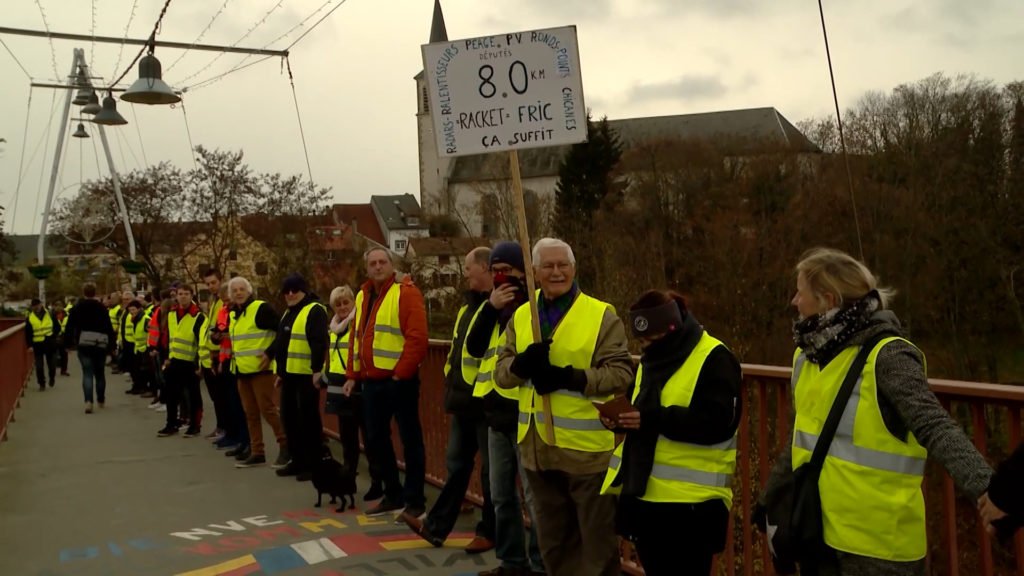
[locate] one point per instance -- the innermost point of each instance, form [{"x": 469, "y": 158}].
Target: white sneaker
[{"x": 161, "y": 408}]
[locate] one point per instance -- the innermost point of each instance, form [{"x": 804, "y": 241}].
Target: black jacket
[
  {"x": 89, "y": 315},
  {"x": 1007, "y": 492},
  {"x": 52, "y": 338},
  {"x": 502, "y": 414},
  {"x": 316, "y": 334},
  {"x": 458, "y": 394}
]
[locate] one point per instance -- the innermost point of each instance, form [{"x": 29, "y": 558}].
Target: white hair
[
  {"x": 366, "y": 255},
  {"x": 242, "y": 281},
  {"x": 551, "y": 243}
]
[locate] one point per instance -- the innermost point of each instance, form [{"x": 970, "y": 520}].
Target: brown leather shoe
[
  {"x": 479, "y": 545},
  {"x": 417, "y": 526}
]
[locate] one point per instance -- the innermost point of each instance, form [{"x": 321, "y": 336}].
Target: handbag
[{"x": 793, "y": 521}]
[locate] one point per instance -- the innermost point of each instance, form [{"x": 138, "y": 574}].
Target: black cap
[
  {"x": 657, "y": 320},
  {"x": 294, "y": 282},
  {"x": 510, "y": 253}
]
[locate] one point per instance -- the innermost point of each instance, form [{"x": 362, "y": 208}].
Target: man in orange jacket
[{"x": 387, "y": 346}]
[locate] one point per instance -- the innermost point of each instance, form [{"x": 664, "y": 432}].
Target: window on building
[
  {"x": 489, "y": 216},
  {"x": 401, "y": 244},
  {"x": 444, "y": 260},
  {"x": 425, "y": 104}
]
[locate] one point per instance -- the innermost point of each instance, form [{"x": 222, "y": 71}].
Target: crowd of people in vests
[{"x": 579, "y": 444}]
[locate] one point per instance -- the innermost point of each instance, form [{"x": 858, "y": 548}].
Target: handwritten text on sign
[{"x": 506, "y": 92}]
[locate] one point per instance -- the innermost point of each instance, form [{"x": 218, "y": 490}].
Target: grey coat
[{"x": 907, "y": 404}]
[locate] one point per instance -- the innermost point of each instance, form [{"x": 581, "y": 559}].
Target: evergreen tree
[{"x": 585, "y": 179}]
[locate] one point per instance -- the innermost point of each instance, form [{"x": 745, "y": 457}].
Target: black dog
[{"x": 330, "y": 477}]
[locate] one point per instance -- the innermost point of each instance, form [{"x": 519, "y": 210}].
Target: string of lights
[
  {"x": 53, "y": 52},
  {"x": 120, "y": 53},
  {"x": 258, "y": 23},
  {"x": 142, "y": 50},
  {"x": 200, "y": 36}
]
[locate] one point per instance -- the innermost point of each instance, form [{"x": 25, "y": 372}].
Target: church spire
[{"x": 438, "y": 32}]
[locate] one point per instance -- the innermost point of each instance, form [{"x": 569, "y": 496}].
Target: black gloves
[
  {"x": 533, "y": 361},
  {"x": 560, "y": 378}
]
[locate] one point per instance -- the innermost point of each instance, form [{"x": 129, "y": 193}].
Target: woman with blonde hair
[
  {"x": 349, "y": 409},
  {"x": 872, "y": 505}
]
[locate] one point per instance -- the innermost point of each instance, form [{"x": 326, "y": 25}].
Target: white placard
[{"x": 506, "y": 92}]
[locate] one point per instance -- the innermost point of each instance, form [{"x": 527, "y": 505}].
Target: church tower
[{"x": 434, "y": 170}]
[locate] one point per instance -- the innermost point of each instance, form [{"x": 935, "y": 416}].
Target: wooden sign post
[{"x": 508, "y": 92}]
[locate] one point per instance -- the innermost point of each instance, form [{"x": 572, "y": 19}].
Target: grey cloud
[
  {"x": 718, "y": 8},
  {"x": 691, "y": 87},
  {"x": 573, "y": 10}
]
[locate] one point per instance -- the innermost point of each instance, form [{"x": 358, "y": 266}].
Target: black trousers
[
  {"x": 300, "y": 415},
  {"x": 45, "y": 351},
  {"x": 352, "y": 422},
  {"x": 137, "y": 367},
  {"x": 216, "y": 387},
  {"x": 180, "y": 378}
]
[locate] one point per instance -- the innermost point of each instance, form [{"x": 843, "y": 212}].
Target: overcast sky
[{"x": 353, "y": 74}]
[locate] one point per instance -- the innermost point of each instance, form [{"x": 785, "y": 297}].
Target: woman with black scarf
[{"x": 675, "y": 466}]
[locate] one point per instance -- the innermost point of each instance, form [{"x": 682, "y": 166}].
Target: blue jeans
[
  {"x": 398, "y": 399},
  {"x": 510, "y": 545},
  {"x": 467, "y": 435},
  {"x": 93, "y": 360}
]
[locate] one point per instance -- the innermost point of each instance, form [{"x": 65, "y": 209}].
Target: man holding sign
[{"x": 582, "y": 357}]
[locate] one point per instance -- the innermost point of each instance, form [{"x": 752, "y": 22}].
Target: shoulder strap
[{"x": 828, "y": 431}]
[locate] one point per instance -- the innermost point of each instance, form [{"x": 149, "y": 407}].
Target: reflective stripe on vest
[
  {"x": 183, "y": 342},
  {"x": 140, "y": 329},
  {"x": 577, "y": 423},
  {"x": 489, "y": 364},
  {"x": 248, "y": 342},
  {"x": 469, "y": 366},
  {"x": 42, "y": 328},
  {"x": 871, "y": 497},
  {"x": 684, "y": 472},
  {"x": 339, "y": 355},
  {"x": 387, "y": 339},
  {"x": 114, "y": 314},
  {"x": 299, "y": 353}
]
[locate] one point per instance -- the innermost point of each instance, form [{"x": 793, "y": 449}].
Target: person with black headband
[{"x": 676, "y": 464}]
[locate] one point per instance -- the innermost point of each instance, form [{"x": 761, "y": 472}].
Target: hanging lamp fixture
[
  {"x": 109, "y": 115},
  {"x": 150, "y": 87}
]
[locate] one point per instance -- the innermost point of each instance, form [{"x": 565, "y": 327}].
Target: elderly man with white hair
[
  {"x": 253, "y": 327},
  {"x": 581, "y": 358}
]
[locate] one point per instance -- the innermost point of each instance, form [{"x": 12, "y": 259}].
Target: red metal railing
[
  {"x": 14, "y": 371},
  {"x": 958, "y": 544}
]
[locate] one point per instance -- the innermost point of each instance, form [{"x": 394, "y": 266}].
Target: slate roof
[
  {"x": 400, "y": 212},
  {"x": 737, "y": 131}
]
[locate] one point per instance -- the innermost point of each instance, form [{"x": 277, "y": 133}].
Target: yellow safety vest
[
  {"x": 469, "y": 367},
  {"x": 182, "y": 336},
  {"x": 489, "y": 363},
  {"x": 248, "y": 343},
  {"x": 683, "y": 472},
  {"x": 64, "y": 322},
  {"x": 140, "y": 332},
  {"x": 388, "y": 341},
  {"x": 42, "y": 328},
  {"x": 127, "y": 329},
  {"x": 209, "y": 344},
  {"x": 338, "y": 356},
  {"x": 577, "y": 423},
  {"x": 114, "y": 314},
  {"x": 870, "y": 484},
  {"x": 299, "y": 352}
]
